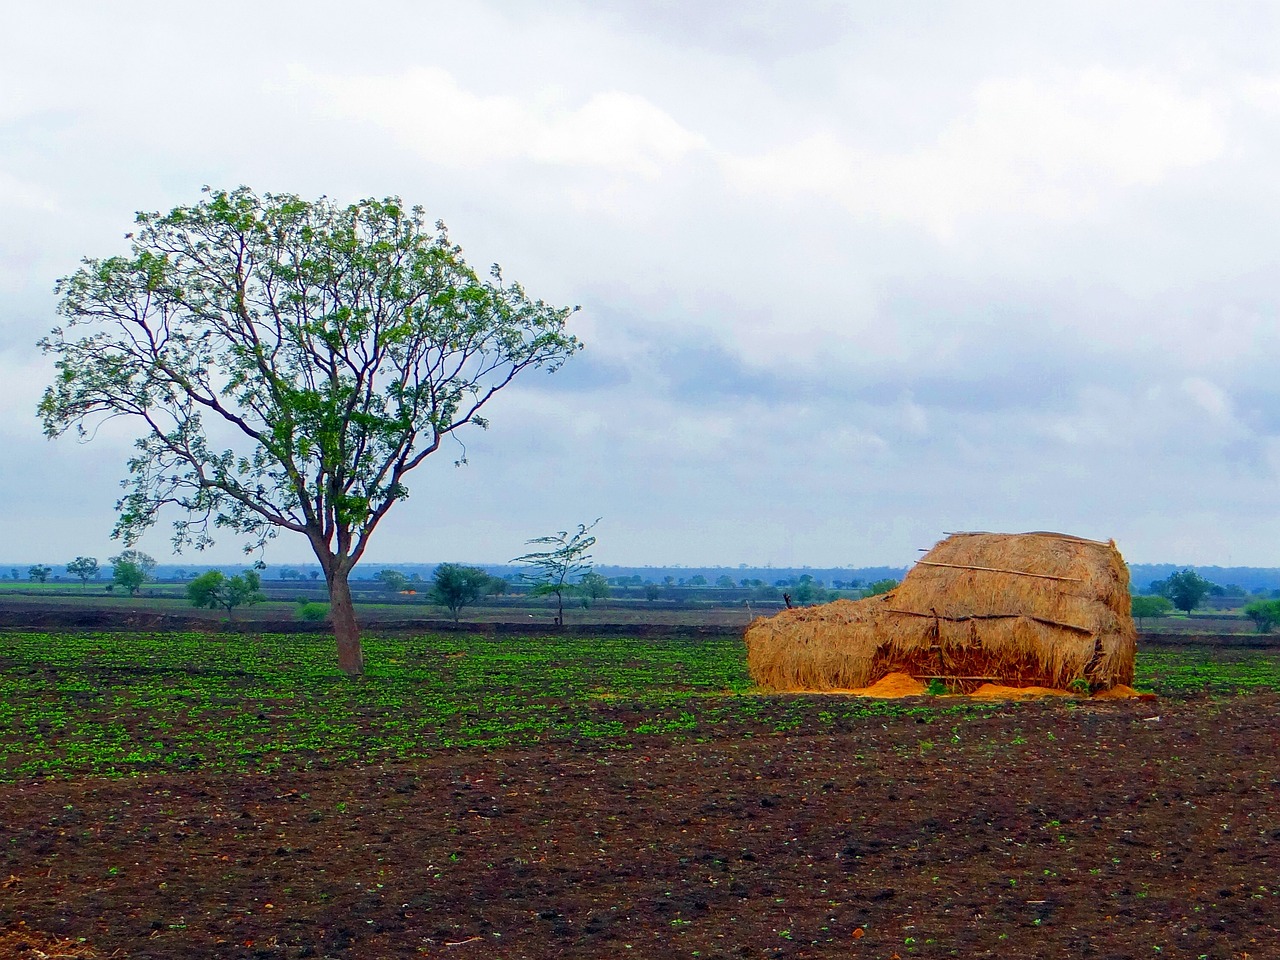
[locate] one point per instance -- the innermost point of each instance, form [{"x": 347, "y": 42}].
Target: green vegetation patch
[
  {"x": 1192, "y": 670},
  {"x": 118, "y": 704}
]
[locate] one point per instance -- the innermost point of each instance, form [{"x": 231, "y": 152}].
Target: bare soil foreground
[{"x": 1047, "y": 829}]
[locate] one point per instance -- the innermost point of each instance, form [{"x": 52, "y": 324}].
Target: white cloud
[
  {"x": 426, "y": 108},
  {"x": 1027, "y": 147},
  {"x": 16, "y": 193},
  {"x": 1208, "y": 397}
]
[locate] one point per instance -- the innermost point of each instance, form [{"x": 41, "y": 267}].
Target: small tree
[
  {"x": 393, "y": 580},
  {"x": 453, "y": 586},
  {"x": 1143, "y": 607},
  {"x": 39, "y": 573},
  {"x": 213, "y": 590},
  {"x": 1186, "y": 589},
  {"x": 84, "y": 568},
  {"x": 145, "y": 562},
  {"x": 1265, "y": 614},
  {"x": 130, "y": 575},
  {"x": 555, "y": 571},
  {"x": 592, "y": 587}
]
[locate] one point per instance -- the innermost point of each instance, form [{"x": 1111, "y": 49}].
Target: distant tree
[
  {"x": 127, "y": 574},
  {"x": 144, "y": 562},
  {"x": 591, "y": 587},
  {"x": 454, "y": 586},
  {"x": 877, "y": 587},
  {"x": 1186, "y": 589},
  {"x": 85, "y": 568},
  {"x": 1265, "y": 614},
  {"x": 764, "y": 591},
  {"x": 39, "y": 573},
  {"x": 393, "y": 580},
  {"x": 697, "y": 580},
  {"x": 1143, "y": 607},
  {"x": 213, "y": 590},
  {"x": 652, "y": 591},
  {"x": 557, "y": 569},
  {"x": 180, "y": 574},
  {"x": 724, "y": 582},
  {"x": 288, "y": 573}
]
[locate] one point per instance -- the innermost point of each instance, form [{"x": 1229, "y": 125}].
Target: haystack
[{"x": 1029, "y": 609}]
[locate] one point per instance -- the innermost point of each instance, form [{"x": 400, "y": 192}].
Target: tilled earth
[{"x": 1107, "y": 830}]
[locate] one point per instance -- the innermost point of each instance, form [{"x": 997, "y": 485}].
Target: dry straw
[{"x": 1030, "y": 609}]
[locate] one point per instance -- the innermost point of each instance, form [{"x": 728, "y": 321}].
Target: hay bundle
[
  {"x": 829, "y": 647},
  {"x": 1026, "y": 609}
]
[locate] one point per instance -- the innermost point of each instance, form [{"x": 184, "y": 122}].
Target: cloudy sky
[{"x": 851, "y": 274}]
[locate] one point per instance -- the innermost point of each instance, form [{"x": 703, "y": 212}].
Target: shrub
[
  {"x": 1265, "y": 614},
  {"x": 313, "y": 612}
]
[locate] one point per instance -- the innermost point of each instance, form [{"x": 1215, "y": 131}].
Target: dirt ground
[{"x": 1049, "y": 829}]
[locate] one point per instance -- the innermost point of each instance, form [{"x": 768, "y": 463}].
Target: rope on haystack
[{"x": 1017, "y": 573}]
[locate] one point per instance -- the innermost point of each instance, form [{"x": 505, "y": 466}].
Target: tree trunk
[{"x": 345, "y": 629}]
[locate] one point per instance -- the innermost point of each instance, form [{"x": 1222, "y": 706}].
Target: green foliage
[
  {"x": 936, "y": 688},
  {"x": 313, "y": 611},
  {"x": 806, "y": 591},
  {"x": 393, "y": 580},
  {"x": 84, "y": 569},
  {"x": 39, "y": 573},
  {"x": 1081, "y": 686},
  {"x": 454, "y": 586},
  {"x": 877, "y": 587},
  {"x": 276, "y": 703},
  {"x": 1185, "y": 589},
  {"x": 143, "y": 561},
  {"x": 1149, "y": 606},
  {"x": 591, "y": 587},
  {"x": 336, "y": 346},
  {"x": 213, "y": 590},
  {"x": 1265, "y": 614},
  {"x": 555, "y": 570},
  {"x": 128, "y": 574}
]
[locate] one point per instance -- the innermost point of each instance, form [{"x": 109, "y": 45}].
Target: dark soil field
[{"x": 765, "y": 826}]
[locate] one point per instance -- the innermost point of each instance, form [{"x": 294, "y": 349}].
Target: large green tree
[{"x": 288, "y": 363}]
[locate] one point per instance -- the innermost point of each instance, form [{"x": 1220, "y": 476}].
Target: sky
[{"x": 852, "y": 275}]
